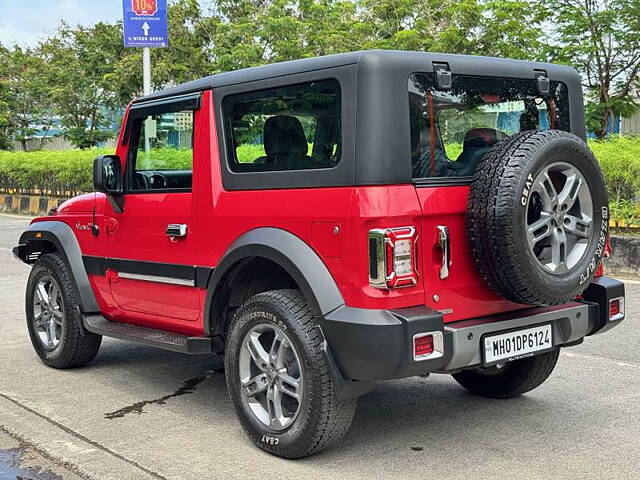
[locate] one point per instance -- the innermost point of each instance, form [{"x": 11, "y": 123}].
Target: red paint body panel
[
  {"x": 464, "y": 293},
  {"x": 80, "y": 204},
  {"x": 335, "y": 222}
]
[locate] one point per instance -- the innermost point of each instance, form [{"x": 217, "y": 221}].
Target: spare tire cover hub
[{"x": 558, "y": 233}]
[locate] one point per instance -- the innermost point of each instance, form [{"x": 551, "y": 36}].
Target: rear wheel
[
  {"x": 509, "y": 379},
  {"x": 53, "y": 318},
  {"x": 279, "y": 379}
]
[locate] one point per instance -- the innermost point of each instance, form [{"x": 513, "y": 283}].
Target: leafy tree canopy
[{"x": 83, "y": 76}]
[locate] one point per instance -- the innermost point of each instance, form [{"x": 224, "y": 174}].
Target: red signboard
[{"x": 144, "y": 7}]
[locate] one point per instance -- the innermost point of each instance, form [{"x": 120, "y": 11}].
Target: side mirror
[{"x": 107, "y": 174}]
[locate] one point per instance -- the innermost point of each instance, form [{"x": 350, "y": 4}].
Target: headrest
[
  {"x": 283, "y": 135},
  {"x": 482, "y": 137}
]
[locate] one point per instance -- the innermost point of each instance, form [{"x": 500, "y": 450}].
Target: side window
[
  {"x": 296, "y": 127},
  {"x": 163, "y": 156}
]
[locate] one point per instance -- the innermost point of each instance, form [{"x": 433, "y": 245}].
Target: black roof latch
[
  {"x": 543, "y": 82},
  {"x": 443, "y": 75}
]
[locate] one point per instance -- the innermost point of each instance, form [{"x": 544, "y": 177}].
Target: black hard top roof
[{"x": 375, "y": 59}]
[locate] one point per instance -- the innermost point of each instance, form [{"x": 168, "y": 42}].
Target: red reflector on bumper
[
  {"x": 614, "y": 308},
  {"x": 423, "y": 345}
]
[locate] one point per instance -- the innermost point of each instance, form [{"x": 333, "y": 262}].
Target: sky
[{"x": 25, "y": 22}]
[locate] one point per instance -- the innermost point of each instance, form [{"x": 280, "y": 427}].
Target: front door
[{"x": 152, "y": 241}]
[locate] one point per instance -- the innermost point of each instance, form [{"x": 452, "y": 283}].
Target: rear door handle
[
  {"x": 176, "y": 230},
  {"x": 445, "y": 245}
]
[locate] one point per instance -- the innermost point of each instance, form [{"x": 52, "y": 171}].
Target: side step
[{"x": 175, "y": 342}]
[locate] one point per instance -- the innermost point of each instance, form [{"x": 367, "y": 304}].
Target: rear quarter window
[{"x": 293, "y": 127}]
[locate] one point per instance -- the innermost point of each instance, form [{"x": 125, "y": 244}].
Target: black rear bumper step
[{"x": 175, "y": 342}]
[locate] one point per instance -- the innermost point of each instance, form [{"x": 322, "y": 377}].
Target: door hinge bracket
[
  {"x": 443, "y": 75},
  {"x": 542, "y": 82}
]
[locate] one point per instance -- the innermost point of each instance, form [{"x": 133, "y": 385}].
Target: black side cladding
[{"x": 64, "y": 240}]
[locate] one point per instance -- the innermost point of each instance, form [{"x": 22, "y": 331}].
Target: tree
[
  {"x": 246, "y": 33},
  {"x": 510, "y": 29},
  {"x": 6, "y": 102},
  {"x": 80, "y": 63},
  {"x": 31, "y": 107},
  {"x": 186, "y": 58},
  {"x": 601, "y": 38}
]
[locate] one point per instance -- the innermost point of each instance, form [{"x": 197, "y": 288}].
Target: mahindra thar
[{"x": 325, "y": 223}]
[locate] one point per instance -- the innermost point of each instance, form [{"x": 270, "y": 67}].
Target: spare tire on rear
[{"x": 537, "y": 217}]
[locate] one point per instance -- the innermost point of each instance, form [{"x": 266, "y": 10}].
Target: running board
[{"x": 175, "y": 342}]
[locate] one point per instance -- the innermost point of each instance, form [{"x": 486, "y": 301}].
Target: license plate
[{"x": 517, "y": 344}]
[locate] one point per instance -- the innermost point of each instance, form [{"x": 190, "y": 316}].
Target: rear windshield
[{"x": 451, "y": 130}]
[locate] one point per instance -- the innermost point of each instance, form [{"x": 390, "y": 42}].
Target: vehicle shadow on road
[{"x": 411, "y": 415}]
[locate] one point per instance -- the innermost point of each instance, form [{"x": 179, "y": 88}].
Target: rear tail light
[
  {"x": 616, "y": 308},
  {"x": 427, "y": 346},
  {"x": 392, "y": 257}
]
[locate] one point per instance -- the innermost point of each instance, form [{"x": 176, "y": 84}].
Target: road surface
[{"x": 140, "y": 413}]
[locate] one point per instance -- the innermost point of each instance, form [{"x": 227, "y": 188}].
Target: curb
[
  {"x": 28, "y": 204},
  {"x": 625, "y": 260},
  {"x": 71, "y": 449}
]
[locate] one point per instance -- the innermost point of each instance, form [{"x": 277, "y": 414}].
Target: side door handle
[
  {"x": 176, "y": 230},
  {"x": 444, "y": 243}
]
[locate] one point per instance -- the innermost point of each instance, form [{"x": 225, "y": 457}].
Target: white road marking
[{"x": 599, "y": 359}]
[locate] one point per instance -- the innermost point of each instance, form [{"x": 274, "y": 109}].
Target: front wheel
[
  {"x": 53, "y": 318},
  {"x": 509, "y": 379},
  {"x": 279, "y": 380}
]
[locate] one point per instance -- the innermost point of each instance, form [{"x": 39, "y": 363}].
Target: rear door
[
  {"x": 152, "y": 241},
  {"x": 451, "y": 130}
]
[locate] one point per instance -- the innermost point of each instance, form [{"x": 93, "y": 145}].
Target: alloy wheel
[
  {"x": 48, "y": 312},
  {"x": 559, "y": 217},
  {"x": 271, "y": 376}
]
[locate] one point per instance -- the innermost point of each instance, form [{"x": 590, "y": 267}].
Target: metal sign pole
[
  {"x": 145, "y": 25},
  {"x": 146, "y": 86},
  {"x": 146, "y": 70}
]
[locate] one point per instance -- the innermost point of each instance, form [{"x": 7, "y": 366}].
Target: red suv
[{"x": 329, "y": 222}]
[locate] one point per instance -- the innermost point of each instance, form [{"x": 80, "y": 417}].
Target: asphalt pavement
[{"x": 140, "y": 413}]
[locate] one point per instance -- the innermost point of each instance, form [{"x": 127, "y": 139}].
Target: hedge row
[
  {"x": 66, "y": 173},
  {"x": 69, "y": 172}
]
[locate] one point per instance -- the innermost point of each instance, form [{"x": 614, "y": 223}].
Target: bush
[
  {"x": 619, "y": 158},
  {"x": 49, "y": 172},
  {"x": 66, "y": 173}
]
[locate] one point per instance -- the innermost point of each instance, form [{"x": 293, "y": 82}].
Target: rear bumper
[{"x": 378, "y": 344}]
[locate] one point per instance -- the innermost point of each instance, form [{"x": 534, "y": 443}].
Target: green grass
[
  {"x": 247, "y": 153},
  {"x": 452, "y": 150}
]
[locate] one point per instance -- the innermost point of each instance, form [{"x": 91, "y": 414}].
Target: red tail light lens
[
  {"x": 392, "y": 257},
  {"x": 428, "y": 346},
  {"x": 616, "y": 308},
  {"x": 423, "y": 346}
]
